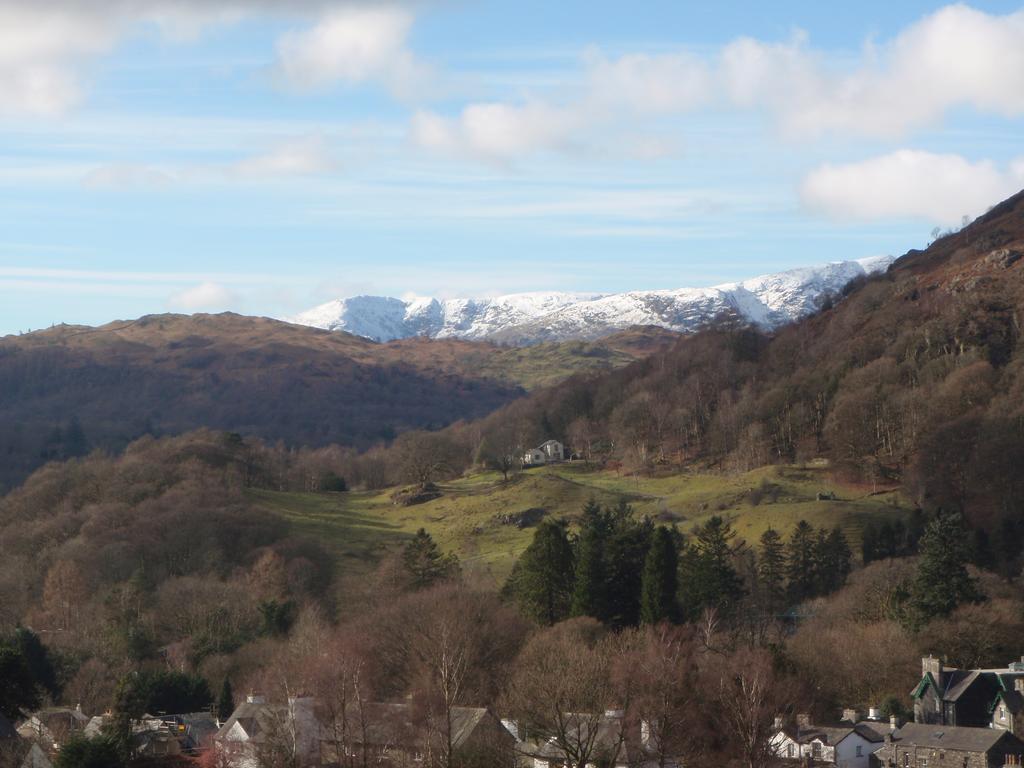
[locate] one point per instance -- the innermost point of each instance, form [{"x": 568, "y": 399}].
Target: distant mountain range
[{"x": 766, "y": 302}]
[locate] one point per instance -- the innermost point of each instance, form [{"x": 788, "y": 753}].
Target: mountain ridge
[{"x": 767, "y": 302}]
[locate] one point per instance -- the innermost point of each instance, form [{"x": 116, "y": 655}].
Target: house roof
[
  {"x": 1013, "y": 700},
  {"x": 609, "y": 735},
  {"x": 392, "y": 723},
  {"x": 948, "y": 737}
]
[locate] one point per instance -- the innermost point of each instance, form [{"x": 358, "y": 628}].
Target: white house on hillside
[
  {"x": 847, "y": 745},
  {"x": 545, "y": 453}
]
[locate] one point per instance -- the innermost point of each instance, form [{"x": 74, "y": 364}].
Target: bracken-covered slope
[
  {"x": 766, "y": 302},
  {"x": 71, "y": 388}
]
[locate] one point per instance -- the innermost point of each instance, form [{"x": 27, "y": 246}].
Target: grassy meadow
[{"x": 361, "y": 525}]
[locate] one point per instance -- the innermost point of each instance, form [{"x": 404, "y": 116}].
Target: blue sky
[{"x": 265, "y": 156}]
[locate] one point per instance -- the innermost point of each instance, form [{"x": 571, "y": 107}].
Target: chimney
[
  {"x": 803, "y": 721},
  {"x": 893, "y": 723},
  {"x": 778, "y": 723},
  {"x": 929, "y": 664},
  {"x": 78, "y": 707},
  {"x": 1018, "y": 685},
  {"x": 874, "y": 714},
  {"x": 253, "y": 698},
  {"x": 851, "y": 716}
]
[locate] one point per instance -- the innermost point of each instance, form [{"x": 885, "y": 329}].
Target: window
[
  {"x": 789, "y": 750},
  {"x": 860, "y": 751},
  {"x": 816, "y": 750}
]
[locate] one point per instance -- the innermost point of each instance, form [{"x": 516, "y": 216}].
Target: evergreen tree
[
  {"x": 942, "y": 581},
  {"x": 588, "y": 590},
  {"x": 226, "y": 700},
  {"x": 771, "y": 571},
  {"x": 801, "y": 562},
  {"x": 626, "y": 545},
  {"x": 1008, "y": 549},
  {"x": 18, "y": 689},
  {"x": 82, "y": 752},
  {"x": 982, "y": 554},
  {"x": 838, "y": 560},
  {"x": 660, "y": 578},
  {"x": 424, "y": 562},
  {"x": 542, "y": 579},
  {"x": 711, "y": 580}
]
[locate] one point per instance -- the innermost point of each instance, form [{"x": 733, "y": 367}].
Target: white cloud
[
  {"x": 351, "y": 45},
  {"x": 498, "y": 132},
  {"x": 941, "y": 188},
  {"x": 664, "y": 83},
  {"x": 45, "y": 45},
  {"x": 304, "y": 157},
  {"x": 201, "y": 297},
  {"x": 954, "y": 57}
]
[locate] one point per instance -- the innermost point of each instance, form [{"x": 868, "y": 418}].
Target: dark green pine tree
[
  {"x": 424, "y": 562},
  {"x": 588, "y": 597},
  {"x": 626, "y": 545},
  {"x": 542, "y": 579},
  {"x": 800, "y": 562},
  {"x": 840, "y": 556},
  {"x": 942, "y": 581},
  {"x": 19, "y": 691},
  {"x": 771, "y": 571},
  {"x": 710, "y": 579},
  {"x": 226, "y": 700},
  {"x": 658, "y": 592}
]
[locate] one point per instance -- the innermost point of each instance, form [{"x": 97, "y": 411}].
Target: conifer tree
[
  {"x": 542, "y": 579},
  {"x": 660, "y": 578},
  {"x": 942, "y": 581},
  {"x": 588, "y": 590},
  {"x": 771, "y": 570},
  {"x": 710, "y": 578},
  {"x": 425, "y": 563},
  {"x": 800, "y": 565},
  {"x": 226, "y": 701},
  {"x": 626, "y": 544}
]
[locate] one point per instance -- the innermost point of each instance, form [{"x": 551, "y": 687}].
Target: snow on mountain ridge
[{"x": 766, "y": 301}]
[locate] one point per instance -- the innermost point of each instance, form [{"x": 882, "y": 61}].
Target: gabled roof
[
  {"x": 948, "y": 737},
  {"x": 1012, "y": 700}
]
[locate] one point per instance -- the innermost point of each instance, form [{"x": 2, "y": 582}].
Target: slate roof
[
  {"x": 392, "y": 724},
  {"x": 1013, "y": 700},
  {"x": 948, "y": 737}
]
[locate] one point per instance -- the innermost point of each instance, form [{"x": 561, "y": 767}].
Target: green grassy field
[{"x": 360, "y": 526}]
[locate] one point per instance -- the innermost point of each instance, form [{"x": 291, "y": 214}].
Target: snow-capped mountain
[{"x": 767, "y": 302}]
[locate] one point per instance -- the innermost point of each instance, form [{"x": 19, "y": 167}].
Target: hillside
[
  {"x": 766, "y": 302},
  {"x": 68, "y": 389},
  {"x": 476, "y": 515},
  {"x": 914, "y": 377}
]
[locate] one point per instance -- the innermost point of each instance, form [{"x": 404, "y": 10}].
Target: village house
[
  {"x": 848, "y": 744},
  {"x": 1008, "y": 709},
  {"x": 961, "y": 697},
  {"x": 18, "y": 752},
  {"x": 921, "y": 745},
  {"x": 547, "y": 452},
  {"x": 52, "y": 727},
  {"x": 393, "y": 734},
  {"x": 257, "y": 729},
  {"x": 613, "y": 744}
]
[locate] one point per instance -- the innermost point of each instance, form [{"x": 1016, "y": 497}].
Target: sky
[{"x": 265, "y": 156}]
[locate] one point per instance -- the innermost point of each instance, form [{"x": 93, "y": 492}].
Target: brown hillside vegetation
[
  {"x": 914, "y": 377},
  {"x": 71, "y": 388}
]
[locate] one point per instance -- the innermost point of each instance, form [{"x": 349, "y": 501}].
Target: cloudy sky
[{"x": 267, "y": 155}]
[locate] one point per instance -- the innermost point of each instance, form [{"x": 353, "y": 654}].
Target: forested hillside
[
  {"x": 914, "y": 377},
  {"x": 68, "y": 390}
]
